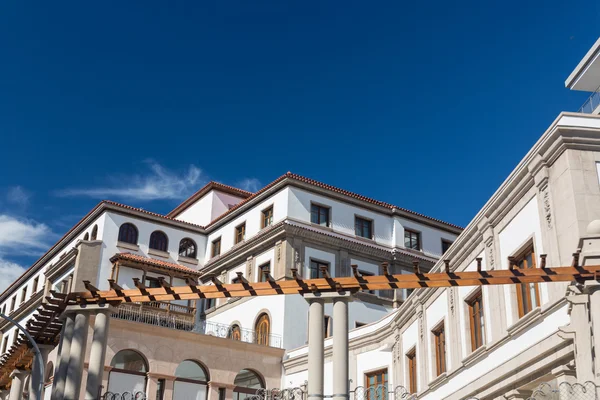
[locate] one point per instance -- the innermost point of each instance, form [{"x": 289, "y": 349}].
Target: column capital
[
  {"x": 18, "y": 373},
  {"x": 88, "y": 308},
  {"x": 327, "y": 296}
]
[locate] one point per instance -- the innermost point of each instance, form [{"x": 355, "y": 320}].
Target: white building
[{"x": 493, "y": 342}]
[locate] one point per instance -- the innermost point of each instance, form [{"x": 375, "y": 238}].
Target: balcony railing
[
  {"x": 146, "y": 313},
  {"x": 592, "y": 103}
]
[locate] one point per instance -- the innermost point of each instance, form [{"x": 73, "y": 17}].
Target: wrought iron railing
[
  {"x": 170, "y": 307},
  {"x": 592, "y": 103},
  {"x": 133, "y": 313},
  {"x": 562, "y": 391},
  {"x": 381, "y": 392},
  {"x": 124, "y": 396}
]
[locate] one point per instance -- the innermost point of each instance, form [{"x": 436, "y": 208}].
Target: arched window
[
  {"x": 86, "y": 236},
  {"x": 262, "y": 328},
  {"x": 94, "y": 232},
  {"x": 128, "y": 373},
  {"x": 187, "y": 248},
  {"x": 191, "y": 381},
  {"x": 235, "y": 332},
  {"x": 49, "y": 374},
  {"x": 158, "y": 241},
  {"x": 247, "y": 383},
  {"x": 128, "y": 233}
]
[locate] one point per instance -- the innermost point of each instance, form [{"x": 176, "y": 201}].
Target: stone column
[
  {"x": 316, "y": 350},
  {"x": 340, "y": 348},
  {"x": 579, "y": 331},
  {"x": 198, "y": 316},
  {"x": 16, "y": 388},
  {"x": 77, "y": 354},
  {"x": 97, "y": 355},
  {"x": 37, "y": 376},
  {"x": 64, "y": 352}
]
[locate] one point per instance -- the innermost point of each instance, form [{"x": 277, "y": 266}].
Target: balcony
[
  {"x": 592, "y": 104},
  {"x": 174, "y": 316}
]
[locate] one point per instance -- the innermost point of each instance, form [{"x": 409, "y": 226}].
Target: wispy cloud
[
  {"x": 9, "y": 272},
  {"x": 249, "y": 184},
  {"x": 23, "y": 237},
  {"x": 17, "y": 195},
  {"x": 159, "y": 184}
]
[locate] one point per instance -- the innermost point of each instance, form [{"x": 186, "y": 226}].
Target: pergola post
[
  {"x": 316, "y": 350},
  {"x": 77, "y": 354},
  {"x": 64, "y": 354},
  {"x": 16, "y": 388},
  {"x": 97, "y": 354},
  {"x": 37, "y": 377},
  {"x": 340, "y": 348}
]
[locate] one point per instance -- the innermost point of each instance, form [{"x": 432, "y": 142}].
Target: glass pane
[{"x": 190, "y": 370}]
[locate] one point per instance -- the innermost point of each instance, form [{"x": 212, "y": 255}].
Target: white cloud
[
  {"x": 17, "y": 195},
  {"x": 9, "y": 272},
  {"x": 159, "y": 184},
  {"x": 249, "y": 184},
  {"x": 23, "y": 237}
]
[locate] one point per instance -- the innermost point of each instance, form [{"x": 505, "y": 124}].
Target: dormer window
[{"x": 159, "y": 241}]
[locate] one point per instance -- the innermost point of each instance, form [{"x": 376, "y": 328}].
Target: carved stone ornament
[
  {"x": 451, "y": 296},
  {"x": 547, "y": 206}
]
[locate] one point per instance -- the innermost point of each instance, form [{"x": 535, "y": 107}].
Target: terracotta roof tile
[
  {"x": 114, "y": 203},
  {"x": 313, "y": 182},
  {"x": 153, "y": 261},
  {"x": 205, "y": 189}
]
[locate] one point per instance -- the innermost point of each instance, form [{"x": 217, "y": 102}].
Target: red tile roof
[
  {"x": 313, "y": 182},
  {"x": 153, "y": 262},
  {"x": 205, "y": 189},
  {"x": 149, "y": 213}
]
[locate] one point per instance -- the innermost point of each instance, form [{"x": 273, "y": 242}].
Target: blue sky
[{"x": 427, "y": 105}]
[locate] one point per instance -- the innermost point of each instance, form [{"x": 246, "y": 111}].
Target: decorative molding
[{"x": 547, "y": 205}]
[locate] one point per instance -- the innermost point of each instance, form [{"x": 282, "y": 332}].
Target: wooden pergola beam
[{"x": 353, "y": 283}]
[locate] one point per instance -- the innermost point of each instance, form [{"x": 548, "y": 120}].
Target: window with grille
[
  {"x": 363, "y": 227},
  {"x": 376, "y": 384},
  {"x": 264, "y": 270},
  {"x": 159, "y": 241},
  {"x": 315, "y": 269},
  {"x": 128, "y": 233},
  {"x": 319, "y": 215},
  {"x": 267, "y": 217},
  {"x": 412, "y": 239},
  {"x": 240, "y": 233},
  {"x": 476, "y": 320}
]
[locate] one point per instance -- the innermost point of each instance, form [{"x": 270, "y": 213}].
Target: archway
[
  {"x": 191, "y": 381},
  {"x": 247, "y": 382},
  {"x": 128, "y": 373}
]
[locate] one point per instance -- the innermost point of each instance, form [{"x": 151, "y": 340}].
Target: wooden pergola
[{"x": 45, "y": 326}]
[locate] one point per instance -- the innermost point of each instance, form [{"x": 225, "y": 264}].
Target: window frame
[
  {"x": 264, "y": 216},
  {"x": 23, "y": 294},
  {"x": 193, "y": 244},
  {"x": 524, "y": 303},
  {"x": 446, "y": 242},
  {"x": 439, "y": 344},
  {"x": 239, "y": 233},
  {"x": 135, "y": 230},
  {"x": 318, "y": 262},
  {"x": 36, "y": 282},
  {"x": 475, "y": 305},
  {"x": 157, "y": 237},
  {"x": 327, "y": 326},
  {"x": 384, "y": 374},
  {"x": 13, "y": 303},
  {"x": 371, "y": 226},
  {"x": 215, "y": 248},
  {"x": 319, "y": 208},
  {"x": 419, "y": 239},
  {"x": 261, "y": 270},
  {"x": 411, "y": 367}
]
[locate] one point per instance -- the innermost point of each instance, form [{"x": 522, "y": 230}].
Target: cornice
[{"x": 61, "y": 266}]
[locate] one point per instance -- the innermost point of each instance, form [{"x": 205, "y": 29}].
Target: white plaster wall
[
  {"x": 341, "y": 214},
  {"x": 431, "y": 238},
  {"x": 252, "y": 218},
  {"x": 525, "y": 225},
  {"x": 296, "y": 379},
  {"x": 200, "y": 212},
  {"x": 372, "y": 361},
  {"x": 409, "y": 341},
  {"x": 222, "y": 202},
  {"x": 436, "y": 314},
  {"x": 517, "y": 344},
  {"x": 232, "y": 273},
  {"x": 365, "y": 266},
  {"x": 145, "y": 228}
]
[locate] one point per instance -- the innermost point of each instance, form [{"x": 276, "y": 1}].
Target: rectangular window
[
  {"x": 35, "y": 284},
  {"x": 13, "y": 303},
  {"x": 528, "y": 294},
  {"x": 216, "y": 247},
  {"x": 240, "y": 233},
  {"x": 315, "y": 269},
  {"x": 363, "y": 227},
  {"x": 23, "y": 294},
  {"x": 376, "y": 384},
  {"x": 5, "y": 345},
  {"x": 326, "y": 327},
  {"x": 151, "y": 282},
  {"x": 412, "y": 239},
  {"x": 160, "y": 389},
  {"x": 411, "y": 359},
  {"x": 319, "y": 215},
  {"x": 209, "y": 303},
  {"x": 476, "y": 321},
  {"x": 267, "y": 217},
  {"x": 445, "y": 245},
  {"x": 264, "y": 270},
  {"x": 439, "y": 336},
  {"x": 221, "y": 393},
  {"x": 365, "y": 273}
]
